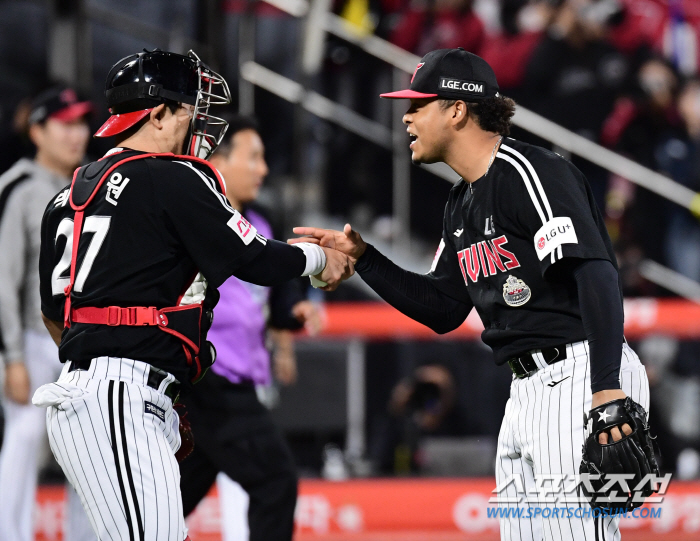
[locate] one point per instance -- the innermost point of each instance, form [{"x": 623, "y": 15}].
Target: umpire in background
[
  {"x": 233, "y": 431},
  {"x": 60, "y": 132}
]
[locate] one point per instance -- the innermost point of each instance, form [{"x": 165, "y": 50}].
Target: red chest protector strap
[
  {"x": 115, "y": 316},
  {"x": 132, "y": 315}
]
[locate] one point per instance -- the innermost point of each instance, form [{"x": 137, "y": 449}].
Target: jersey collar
[{"x": 115, "y": 150}]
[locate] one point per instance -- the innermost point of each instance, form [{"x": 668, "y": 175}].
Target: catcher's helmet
[{"x": 138, "y": 83}]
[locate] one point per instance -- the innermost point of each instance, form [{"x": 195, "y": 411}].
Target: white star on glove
[{"x": 604, "y": 416}]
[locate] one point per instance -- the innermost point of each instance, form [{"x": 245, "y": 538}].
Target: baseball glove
[
  {"x": 633, "y": 454},
  {"x": 186, "y": 436}
]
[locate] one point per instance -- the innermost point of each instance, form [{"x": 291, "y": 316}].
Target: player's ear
[
  {"x": 460, "y": 113},
  {"x": 157, "y": 115},
  {"x": 36, "y": 134}
]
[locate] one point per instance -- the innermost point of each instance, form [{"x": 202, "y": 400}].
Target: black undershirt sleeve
[
  {"x": 282, "y": 299},
  {"x": 603, "y": 320},
  {"x": 415, "y": 295},
  {"x": 277, "y": 263}
]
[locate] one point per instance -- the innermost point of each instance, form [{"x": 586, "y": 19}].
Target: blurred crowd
[{"x": 622, "y": 73}]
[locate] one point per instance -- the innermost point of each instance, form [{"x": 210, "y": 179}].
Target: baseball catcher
[{"x": 120, "y": 254}]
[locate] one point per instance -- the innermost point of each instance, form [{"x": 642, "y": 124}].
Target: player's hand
[
  {"x": 602, "y": 397},
  {"x": 284, "y": 360},
  {"x": 309, "y": 314},
  {"x": 285, "y": 364},
  {"x": 17, "y": 382},
  {"x": 347, "y": 241},
  {"x": 338, "y": 267}
]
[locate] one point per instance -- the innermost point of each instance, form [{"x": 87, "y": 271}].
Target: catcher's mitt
[
  {"x": 633, "y": 454},
  {"x": 186, "y": 436}
]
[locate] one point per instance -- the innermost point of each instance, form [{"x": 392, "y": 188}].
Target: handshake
[{"x": 342, "y": 248}]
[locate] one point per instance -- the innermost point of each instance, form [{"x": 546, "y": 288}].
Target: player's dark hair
[
  {"x": 236, "y": 123},
  {"x": 123, "y": 136},
  {"x": 492, "y": 114}
]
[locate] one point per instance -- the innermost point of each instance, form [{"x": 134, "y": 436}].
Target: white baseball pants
[
  {"x": 543, "y": 433},
  {"x": 115, "y": 438}
]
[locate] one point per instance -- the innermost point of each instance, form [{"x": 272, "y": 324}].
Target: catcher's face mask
[
  {"x": 206, "y": 130},
  {"x": 138, "y": 83}
]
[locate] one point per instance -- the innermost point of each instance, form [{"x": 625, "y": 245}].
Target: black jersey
[
  {"x": 504, "y": 233},
  {"x": 152, "y": 225}
]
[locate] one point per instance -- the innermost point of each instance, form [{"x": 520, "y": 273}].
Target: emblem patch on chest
[{"x": 516, "y": 292}]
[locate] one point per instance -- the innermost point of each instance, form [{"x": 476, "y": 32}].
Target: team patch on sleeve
[
  {"x": 242, "y": 227},
  {"x": 441, "y": 247},
  {"x": 554, "y": 233}
]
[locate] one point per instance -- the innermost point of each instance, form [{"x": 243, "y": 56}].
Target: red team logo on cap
[
  {"x": 419, "y": 66},
  {"x": 68, "y": 96},
  {"x": 540, "y": 243}
]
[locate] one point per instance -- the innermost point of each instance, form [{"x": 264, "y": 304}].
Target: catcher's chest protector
[{"x": 182, "y": 321}]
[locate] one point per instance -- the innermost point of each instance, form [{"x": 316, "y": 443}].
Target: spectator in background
[
  {"x": 574, "y": 75},
  {"x": 59, "y": 130},
  {"x": 681, "y": 37},
  {"x": 439, "y": 24},
  {"x": 234, "y": 431},
  {"x": 679, "y": 157},
  {"x": 420, "y": 405},
  {"x": 637, "y": 218},
  {"x": 643, "y": 26},
  {"x": 523, "y": 24},
  {"x": 15, "y": 143}
]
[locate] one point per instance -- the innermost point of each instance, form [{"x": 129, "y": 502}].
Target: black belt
[
  {"x": 525, "y": 365},
  {"x": 155, "y": 378}
]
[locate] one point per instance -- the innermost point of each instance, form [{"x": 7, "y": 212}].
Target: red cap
[
  {"x": 119, "y": 122},
  {"x": 73, "y": 112},
  {"x": 408, "y": 93},
  {"x": 60, "y": 103}
]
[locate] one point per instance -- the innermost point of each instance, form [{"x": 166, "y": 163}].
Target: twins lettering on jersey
[{"x": 487, "y": 257}]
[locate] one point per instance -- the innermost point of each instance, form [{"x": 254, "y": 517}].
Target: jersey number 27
[{"x": 99, "y": 226}]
